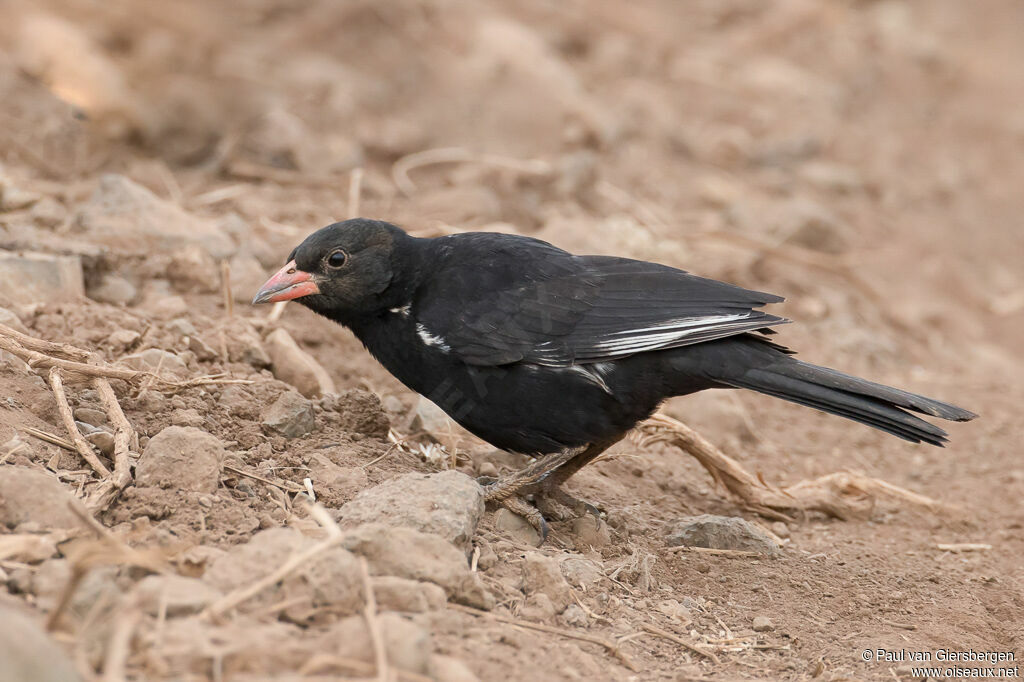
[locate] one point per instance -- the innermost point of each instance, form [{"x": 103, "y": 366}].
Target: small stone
[
  {"x": 763, "y": 624},
  {"x": 780, "y": 529},
  {"x": 123, "y": 339},
  {"x": 542, "y": 574},
  {"x": 448, "y": 669},
  {"x": 154, "y": 359},
  {"x": 103, "y": 441},
  {"x": 13, "y": 198},
  {"x": 330, "y": 582},
  {"x": 516, "y": 527},
  {"x": 487, "y": 469},
  {"x": 590, "y": 532},
  {"x": 28, "y": 278},
  {"x": 580, "y": 572},
  {"x": 34, "y": 496},
  {"x": 243, "y": 342},
  {"x": 113, "y": 289},
  {"x": 290, "y": 415},
  {"x": 27, "y": 653},
  {"x": 720, "y": 532},
  {"x": 182, "y": 458},
  {"x": 182, "y": 596},
  {"x": 412, "y": 554},
  {"x": 407, "y": 645},
  {"x": 575, "y": 617},
  {"x": 410, "y": 596},
  {"x": 90, "y": 416},
  {"x": 187, "y": 417},
  {"x": 538, "y": 608},
  {"x": 294, "y": 366},
  {"x": 191, "y": 269},
  {"x": 447, "y": 503},
  {"x": 164, "y": 307},
  {"x": 361, "y": 411}
]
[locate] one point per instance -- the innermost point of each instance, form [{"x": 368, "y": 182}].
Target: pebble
[
  {"x": 182, "y": 458},
  {"x": 294, "y": 366},
  {"x": 720, "y": 532},
  {"x": 359, "y": 411},
  {"x": 103, "y": 441},
  {"x": 408, "y": 646},
  {"x": 541, "y": 574},
  {"x": 113, "y": 289},
  {"x": 763, "y": 624},
  {"x": 28, "y": 653},
  {"x": 123, "y": 339},
  {"x": 21, "y": 491},
  {"x": 430, "y": 418},
  {"x": 290, "y": 415},
  {"x": 575, "y": 617},
  {"x": 449, "y": 504},
  {"x": 413, "y": 554},
  {"x": 580, "y": 572},
  {"x": 516, "y": 527},
  {"x": 590, "y": 532},
  {"x": 90, "y": 416}
]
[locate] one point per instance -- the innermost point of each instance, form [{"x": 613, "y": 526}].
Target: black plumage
[{"x": 539, "y": 351}]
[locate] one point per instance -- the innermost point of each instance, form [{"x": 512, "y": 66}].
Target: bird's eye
[{"x": 337, "y": 259}]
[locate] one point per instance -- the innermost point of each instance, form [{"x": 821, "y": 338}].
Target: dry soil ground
[{"x": 861, "y": 158}]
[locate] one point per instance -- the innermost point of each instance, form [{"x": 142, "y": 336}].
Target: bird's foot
[{"x": 555, "y": 503}]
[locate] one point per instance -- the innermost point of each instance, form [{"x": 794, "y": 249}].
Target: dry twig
[
  {"x": 81, "y": 445},
  {"x": 655, "y": 630},
  {"x": 380, "y": 655},
  {"x": 400, "y": 169},
  {"x": 844, "y": 495}
]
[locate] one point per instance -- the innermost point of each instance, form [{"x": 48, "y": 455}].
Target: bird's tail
[{"x": 769, "y": 369}]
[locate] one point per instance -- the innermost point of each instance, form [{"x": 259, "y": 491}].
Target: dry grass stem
[
  {"x": 246, "y": 474},
  {"x": 959, "y": 547},
  {"x": 655, "y": 630},
  {"x": 225, "y": 288},
  {"x": 844, "y": 495},
  {"x": 355, "y": 191},
  {"x": 611, "y": 647},
  {"x": 49, "y": 438},
  {"x": 81, "y": 445},
  {"x": 380, "y": 655},
  {"x": 400, "y": 169}
]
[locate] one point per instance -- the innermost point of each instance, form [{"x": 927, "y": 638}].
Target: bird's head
[{"x": 345, "y": 269}]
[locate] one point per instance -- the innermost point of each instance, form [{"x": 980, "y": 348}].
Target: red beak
[{"x": 287, "y": 283}]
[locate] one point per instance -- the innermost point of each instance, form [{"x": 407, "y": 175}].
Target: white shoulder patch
[
  {"x": 403, "y": 311},
  {"x": 431, "y": 339}
]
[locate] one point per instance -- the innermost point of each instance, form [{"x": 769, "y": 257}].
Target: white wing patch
[{"x": 431, "y": 339}]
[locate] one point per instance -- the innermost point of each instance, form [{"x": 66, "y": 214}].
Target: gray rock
[
  {"x": 516, "y": 527},
  {"x": 580, "y": 572},
  {"x": 542, "y": 574},
  {"x": 290, "y": 415},
  {"x": 122, "y": 339},
  {"x": 412, "y": 554},
  {"x": 102, "y": 440},
  {"x": 27, "y": 278},
  {"x": 590, "y": 532},
  {"x": 575, "y": 617},
  {"x": 720, "y": 532},
  {"x": 126, "y": 216},
  {"x": 113, "y": 289},
  {"x": 182, "y": 458},
  {"x": 295, "y": 366},
  {"x": 90, "y": 416},
  {"x": 447, "y": 503},
  {"x": 34, "y": 496},
  {"x": 27, "y": 653},
  {"x": 359, "y": 411},
  {"x": 763, "y": 624}
]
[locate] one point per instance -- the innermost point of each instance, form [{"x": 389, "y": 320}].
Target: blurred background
[{"x": 862, "y": 158}]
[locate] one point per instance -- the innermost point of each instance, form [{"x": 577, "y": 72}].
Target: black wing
[{"x": 522, "y": 300}]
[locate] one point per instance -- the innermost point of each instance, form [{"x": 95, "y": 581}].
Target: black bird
[{"x": 542, "y": 352}]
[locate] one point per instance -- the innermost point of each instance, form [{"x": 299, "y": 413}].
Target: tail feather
[{"x": 770, "y": 371}]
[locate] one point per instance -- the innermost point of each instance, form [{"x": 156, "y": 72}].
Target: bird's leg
[
  {"x": 509, "y": 491},
  {"x": 543, "y": 479},
  {"x": 550, "y": 489}
]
